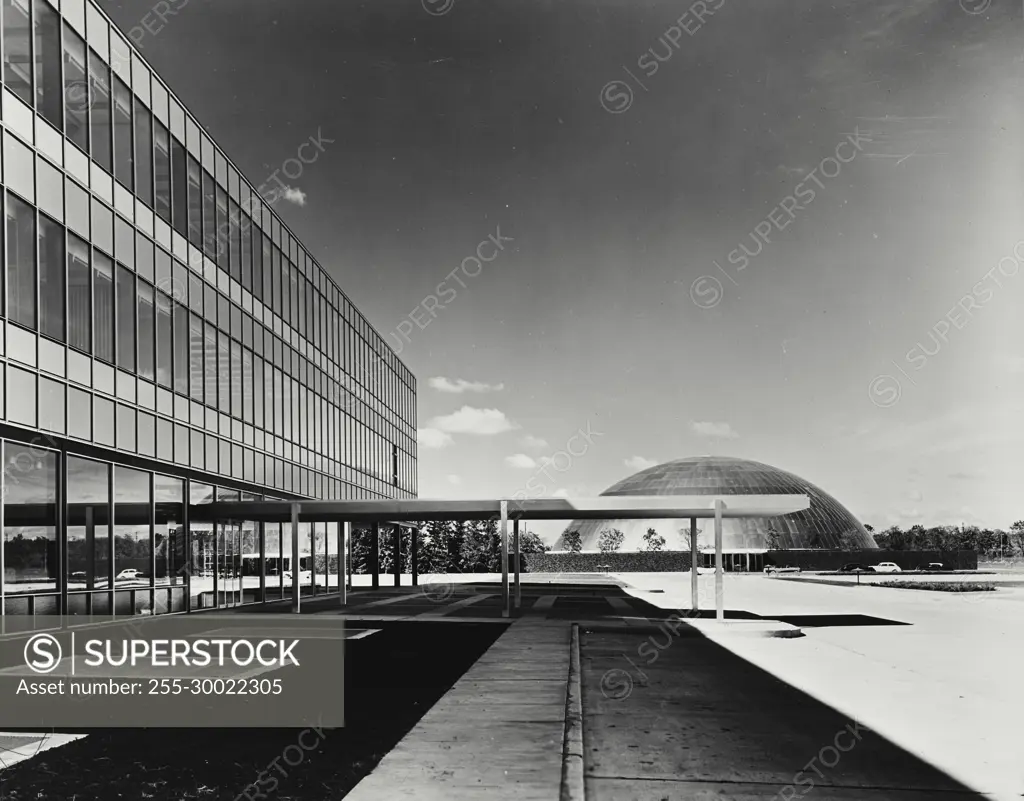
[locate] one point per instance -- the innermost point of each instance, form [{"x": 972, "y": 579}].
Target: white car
[
  {"x": 305, "y": 576},
  {"x": 887, "y": 567},
  {"x": 131, "y": 574}
]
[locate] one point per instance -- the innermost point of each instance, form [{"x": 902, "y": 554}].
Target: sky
[{"x": 542, "y": 206}]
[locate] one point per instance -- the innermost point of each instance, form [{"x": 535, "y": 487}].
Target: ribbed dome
[{"x": 826, "y": 524}]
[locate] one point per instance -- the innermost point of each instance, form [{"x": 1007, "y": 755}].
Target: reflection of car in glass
[
  {"x": 128, "y": 575},
  {"x": 786, "y": 569},
  {"x": 305, "y": 576},
  {"x": 888, "y": 567},
  {"x": 78, "y": 575}
]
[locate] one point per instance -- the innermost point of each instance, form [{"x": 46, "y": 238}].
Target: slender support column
[
  {"x": 414, "y": 554},
  {"x": 515, "y": 550},
  {"x": 719, "y": 598},
  {"x": 396, "y": 555},
  {"x": 504, "y": 559},
  {"x": 296, "y": 571},
  {"x": 694, "y": 557},
  {"x": 343, "y": 531},
  {"x": 375, "y": 554}
]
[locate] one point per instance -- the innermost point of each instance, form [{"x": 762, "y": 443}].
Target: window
[
  {"x": 103, "y": 305},
  {"x": 99, "y": 97},
  {"x": 31, "y": 556},
  {"x": 181, "y": 348},
  {"x": 196, "y": 356},
  {"x": 162, "y": 171},
  {"x": 88, "y": 496},
  {"x": 222, "y": 229},
  {"x": 21, "y": 262},
  {"x": 49, "y": 88},
  {"x": 79, "y": 295},
  {"x": 133, "y": 547},
  {"x": 257, "y": 262},
  {"x": 21, "y": 397},
  {"x": 76, "y": 90},
  {"x": 164, "y": 342},
  {"x": 210, "y": 354},
  {"x": 143, "y": 153},
  {"x": 17, "y": 49},
  {"x": 224, "y": 362},
  {"x": 125, "y": 319},
  {"x": 146, "y": 330},
  {"x": 236, "y": 256},
  {"x": 210, "y": 241},
  {"x": 124, "y": 169},
  {"x": 195, "y": 203},
  {"x": 245, "y": 251},
  {"x": 179, "y": 187},
  {"x": 170, "y": 533},
  {"x": 51, "y": 278}
]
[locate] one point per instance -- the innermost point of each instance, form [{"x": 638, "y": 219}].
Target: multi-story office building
[{"x": 166, "y": 342}]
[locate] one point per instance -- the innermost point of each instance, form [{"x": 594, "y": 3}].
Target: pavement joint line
[
  {"x": 441, "y": 612},
  {"x": 780, "y": 783},
  {"x": 573, "y": 787}
]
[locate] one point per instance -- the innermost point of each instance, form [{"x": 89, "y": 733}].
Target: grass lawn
[{"x": 391, "y": 679}]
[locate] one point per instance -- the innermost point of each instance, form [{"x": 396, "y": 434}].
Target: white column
[
  {"x": 504, "y": 559},
  {"x": 515, "y": 550},
  {"x": 694, "y": 557},
  {"x": 343, "y": 533},
  {"x": 719, "y": 599},
  {"x": 296, "y": 590}
]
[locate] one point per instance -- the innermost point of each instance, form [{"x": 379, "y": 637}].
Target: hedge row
[{"x": 638, "y": 562}]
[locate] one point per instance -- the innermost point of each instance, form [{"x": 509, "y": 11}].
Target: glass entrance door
[{"x": 229, "y": 563}]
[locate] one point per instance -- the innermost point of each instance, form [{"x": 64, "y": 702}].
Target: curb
[{"x": 572, "y": 748}]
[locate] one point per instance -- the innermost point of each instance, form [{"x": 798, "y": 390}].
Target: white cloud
[
  {"x": 469, "y": 420},
  {"x": 520, "y": 460},
  {"x": 561, "y": 492},
  {"x": 293, "y": 195},
  {"x": 454, "y": 479},
  {"x": 723, "y": 430},
  {"x": 460, "y": 385},
  {"x": 432, "y": 438},
  {"x": 639, "y": 463},
  {"x": 530, "y": 441}
]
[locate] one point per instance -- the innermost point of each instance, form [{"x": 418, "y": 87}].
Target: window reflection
[
  {"x": 133, "y": 547},
  {"x": 30, "y": 519},
  {"x": 88, "y": 524},
  {"x": 169, "y": 541}
]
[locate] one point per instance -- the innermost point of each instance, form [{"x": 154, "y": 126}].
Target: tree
[
  {"x": 531, "y": 543},
  {"x": 652, "y": 541},
  {"x": 849, "y": 541},
  {"x": 610, "y": 540},
  {"x": 684, "y": 535},
  {"x": 1017, "y": 536},
  {"x": 572, "y": 541},
  {"x": 773, "y": 542}
]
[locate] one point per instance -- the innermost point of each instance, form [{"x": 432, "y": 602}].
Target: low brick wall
[{"x": 640, "y": 562}]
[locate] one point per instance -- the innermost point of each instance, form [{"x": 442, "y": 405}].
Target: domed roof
[{"x": 825, "y": 524}]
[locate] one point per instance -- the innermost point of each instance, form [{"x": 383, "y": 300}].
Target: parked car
[
  {"x": 932, "y": 566},
  {"x": 776, "y": 569},
  {"x": 305, "y": 576},
  {"x": 888, "y": 567},
  {"x": 131, "y": 574},
  {"x": 855, "y": 567}
]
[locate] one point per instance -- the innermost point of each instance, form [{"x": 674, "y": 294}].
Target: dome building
[{"x": 825, "y": 524}]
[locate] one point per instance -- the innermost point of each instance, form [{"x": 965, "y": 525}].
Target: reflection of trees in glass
[{"x": 610, "y": 540}]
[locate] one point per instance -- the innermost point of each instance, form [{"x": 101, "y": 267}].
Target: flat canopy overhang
[{"x": 622, "y": 507}]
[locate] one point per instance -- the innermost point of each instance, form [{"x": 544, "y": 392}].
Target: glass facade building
[
  {"x": 826, "y": 524},
  {"x": 165, "y": 341}
]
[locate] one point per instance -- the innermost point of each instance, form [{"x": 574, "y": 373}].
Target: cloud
[
  {"x": 460, "y": 385},
  {"x": 639, "y": 463},
  {"x": 454, "y": 479},
  {"x": 530, "y": 441},
  {"x": 293, "y": 195},
  {"x": 915, "y": 495},
  {"x": 561, "y": 492},
  {"x": 520, "y": 460},
  {"x": 470, "y": 420},
  {"x": 723, "y": 430},
  {"x": 432, "y": 438}
]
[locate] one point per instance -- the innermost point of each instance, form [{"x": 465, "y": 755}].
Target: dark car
[
  {"x": 932, "y": 566},
  {"x": 855, "y": 567}
]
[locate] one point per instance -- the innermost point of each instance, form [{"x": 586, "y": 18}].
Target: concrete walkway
[{"x": 497, "y": 734}]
